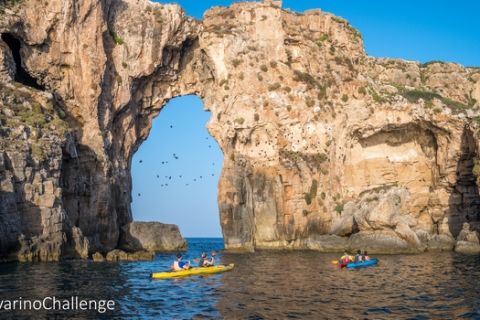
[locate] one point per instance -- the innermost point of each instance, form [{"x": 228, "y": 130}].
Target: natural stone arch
[{"x": 289, "y": 95}]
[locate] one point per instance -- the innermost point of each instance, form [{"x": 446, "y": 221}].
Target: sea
[{"x": 263, "y": 285}]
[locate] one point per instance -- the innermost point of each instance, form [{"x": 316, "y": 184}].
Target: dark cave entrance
[
  {"x": 21, "y": 75},
  {"x": 464, "y": 201}
]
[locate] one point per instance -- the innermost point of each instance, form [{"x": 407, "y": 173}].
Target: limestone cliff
[{"x": 325, "y": 147}]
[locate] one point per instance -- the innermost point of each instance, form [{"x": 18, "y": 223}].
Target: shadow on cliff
[
  {"x": 92, "y": 200},
  {"x": 464, "y": 201},
  {"x": 19, "y": 219}
]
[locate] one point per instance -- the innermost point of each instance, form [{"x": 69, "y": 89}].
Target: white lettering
[
  {"x": 37, "y": 305},
  {"x": 45, "y": 305}
]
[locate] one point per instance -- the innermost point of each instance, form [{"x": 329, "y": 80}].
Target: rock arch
[{"x": 290, "y": 96}]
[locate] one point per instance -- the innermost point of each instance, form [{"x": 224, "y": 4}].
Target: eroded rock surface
[
  {"x": 467, "y": 241},
  {"x": 324, "y": 146},
  {"x": 151, "y": 236}
]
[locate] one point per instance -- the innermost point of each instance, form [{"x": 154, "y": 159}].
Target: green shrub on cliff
[
  {"x": 314, "y": 160},
  {"x": 116, "y": 38},
  {"x": 33, "y": 117},
  {"x": 8, "y": 4},
  {"x": 415, "y": 95},
  {"x": 237, "y": 62},
  {"x": 274, "y": 87},
  {"x": 426, "y": 64},
  {"x": 239, "y": 121},
  {"x": 376, "y": 97},
  {"x": 322, "y": 39},
  {"x": 428, "y": 96},
  {"x": 306, "y": 78},
  {"x": 339, "y": 208},
  {"x": 309, "y": 196},
  {"x": 38, "y": 152},
  {"x": 30, "y": 112}
]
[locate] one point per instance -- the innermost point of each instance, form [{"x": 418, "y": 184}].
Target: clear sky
[{"x": 413, "y": 30}]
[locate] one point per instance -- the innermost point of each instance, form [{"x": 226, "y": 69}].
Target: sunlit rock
[
  {"x": 151, "y": 236},
  {"x": 319, "y": 139}
]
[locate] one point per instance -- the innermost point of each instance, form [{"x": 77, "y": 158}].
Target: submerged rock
[
  {"x": 467, "y": 241},
  {"x": 467, "y": 247},
  {"x": 120, "y": 255},
  {"x": 98, "y": 257},
  {"x": 151, "y": 236},
  {"x": 441, "y": 243},
  {"x": 468, "y": 235}
]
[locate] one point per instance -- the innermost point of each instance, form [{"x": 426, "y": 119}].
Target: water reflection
[
  {"x": 305, "y": 285},
  {"x": 265, "y": 285}
]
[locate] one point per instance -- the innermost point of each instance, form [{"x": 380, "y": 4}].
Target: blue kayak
[{"x": 362, "y": 264}]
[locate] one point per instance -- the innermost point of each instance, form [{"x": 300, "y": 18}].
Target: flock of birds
[{"x": 171, "y": 178}]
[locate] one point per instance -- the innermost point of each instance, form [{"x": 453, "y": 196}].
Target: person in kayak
[
  {"x": 211, "y": 261},
  {"x": 358, "y": 257},
  {"x": 178, "y": 264},
  {"x": 365, "y": 256},
  {"x": 203, "y": 261},
  {"x": 344, "y": 260}
]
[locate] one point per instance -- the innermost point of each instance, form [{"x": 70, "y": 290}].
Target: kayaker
[
  {"x": 345, "y": 258},
  {"x": 178, "y": 264},
  {"x": 203, "y": 261},
  {"x": 365, "y": 256},
  {"x": 211, "y": 261},
  {"x": 358, "y": 256}
]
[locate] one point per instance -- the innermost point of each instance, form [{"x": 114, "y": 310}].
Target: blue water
[{"x": 263, "y": 285}]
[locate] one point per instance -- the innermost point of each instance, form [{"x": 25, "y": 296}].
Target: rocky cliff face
[{"x": 325, "y": 147}]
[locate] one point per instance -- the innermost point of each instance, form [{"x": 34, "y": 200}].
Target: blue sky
[{"x": 413, "y": 30}]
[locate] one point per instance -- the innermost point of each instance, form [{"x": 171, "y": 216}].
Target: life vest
[{"x": 176, "y": 266}]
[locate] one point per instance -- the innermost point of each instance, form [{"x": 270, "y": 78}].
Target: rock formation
[
  {"x": 151, "y": 236},
  {"x": 467, "y": 241},
  {"x": 325, "y": 147}
]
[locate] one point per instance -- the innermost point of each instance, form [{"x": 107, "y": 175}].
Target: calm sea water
[{"x": 264, "y": 285}]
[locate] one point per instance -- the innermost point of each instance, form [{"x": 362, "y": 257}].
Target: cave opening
[
  {"x": 175, "y": 172},
  {"x": 464, "y": 201},
  {"x": 21, "y": 75}
]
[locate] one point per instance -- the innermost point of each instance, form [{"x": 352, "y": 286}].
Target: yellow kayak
[{"x": 192, "y": 272}]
